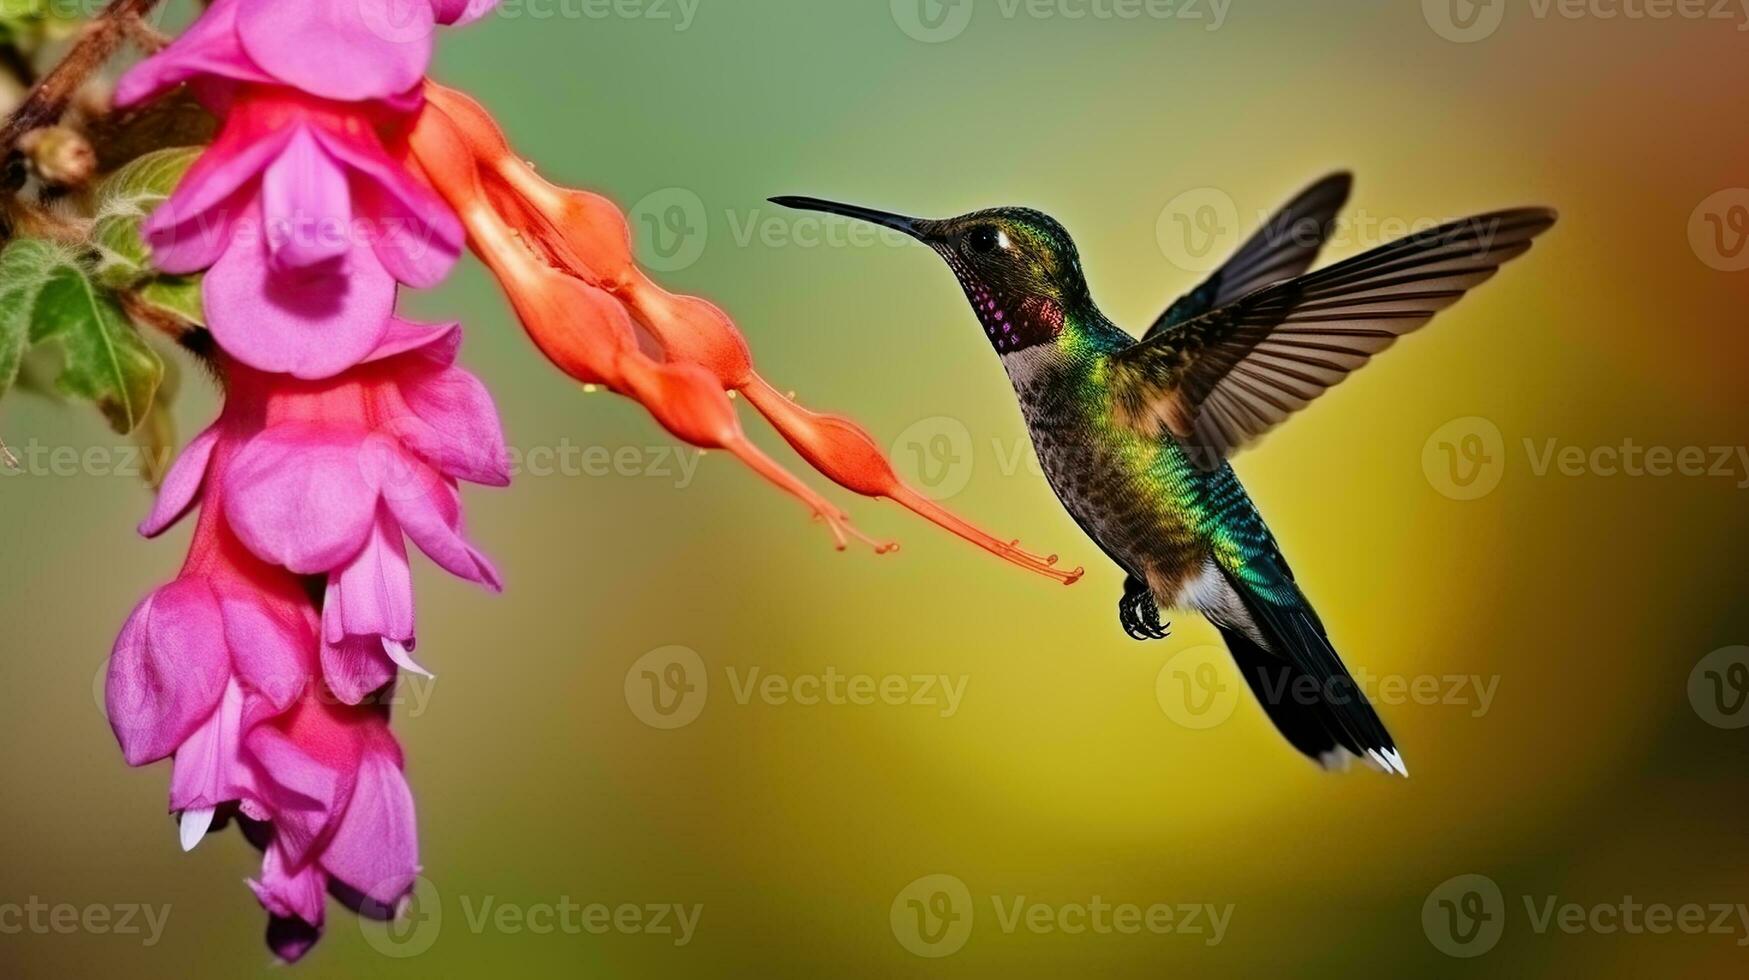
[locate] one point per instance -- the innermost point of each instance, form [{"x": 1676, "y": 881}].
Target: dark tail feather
[
  {"x": 1273, "y": 680},
  {"x": 1310, "y": 696}
]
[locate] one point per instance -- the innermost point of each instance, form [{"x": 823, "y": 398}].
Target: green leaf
[
  {"x": 124, "y": 199},
  {"x": 178, "y": 296},
  {"x": 106, "y": 359},
  {"x": 156, "y": 435},
  {"x": 26, "y": 24},
  {"x": 26, "y": 265},
  {"x": 19, "y": 19}
]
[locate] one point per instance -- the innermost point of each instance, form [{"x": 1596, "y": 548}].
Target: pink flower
[
  {"x": 368, "y": 49},
  {"x": 230, "y": 642},
  {"x": 329, "y": 477},
  {"x": 234, "y": 672},
  {"x": 343, "y": 819},
  {"x": 306, "y": 225},
  {"x": 345, "y": 432}
]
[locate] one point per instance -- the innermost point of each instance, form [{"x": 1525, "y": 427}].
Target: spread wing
[
  {"x": 1221, "y": 380},
  {"x": 1284, "y": 248}
]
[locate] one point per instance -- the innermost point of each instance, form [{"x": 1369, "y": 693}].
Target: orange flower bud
[{"x": 565, "y": 258}]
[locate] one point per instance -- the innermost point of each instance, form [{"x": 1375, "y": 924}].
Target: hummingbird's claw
[{"x": 1140, "y": 614}]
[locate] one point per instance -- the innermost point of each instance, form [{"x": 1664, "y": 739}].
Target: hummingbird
[{"x": 1135, "y": 436}]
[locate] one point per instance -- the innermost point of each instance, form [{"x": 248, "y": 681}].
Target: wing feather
[
  {"x": 1223, "y": 379},
  {"x": 1285, "y": 247}
]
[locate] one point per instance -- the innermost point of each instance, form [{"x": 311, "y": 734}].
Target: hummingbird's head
[{"x": 1018, "y": 267}]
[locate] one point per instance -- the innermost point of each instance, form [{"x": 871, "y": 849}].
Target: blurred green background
[{"x": 1070, "y": 768}]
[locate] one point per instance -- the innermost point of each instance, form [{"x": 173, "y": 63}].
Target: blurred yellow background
[{"x": 1560, "y": 616}]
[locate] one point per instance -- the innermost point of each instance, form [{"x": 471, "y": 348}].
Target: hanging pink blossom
[
  {"x": 348, "y": 50},
  {"x": 306, "y": 225},
  {"x": 343, "y": 818},
  {"x": 345, "y": 432}
]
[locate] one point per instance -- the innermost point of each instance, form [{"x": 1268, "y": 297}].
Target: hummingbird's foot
[{"x": 1139, "y": 613}]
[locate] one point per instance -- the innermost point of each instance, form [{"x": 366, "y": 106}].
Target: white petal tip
[
  {"x": 398, "y": 653},
  {"x": 196, "y": 821}
]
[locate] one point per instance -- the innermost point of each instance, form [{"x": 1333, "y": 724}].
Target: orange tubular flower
[{"x": 565, "y": 259}]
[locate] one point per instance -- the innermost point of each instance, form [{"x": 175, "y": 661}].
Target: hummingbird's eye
[{"x": 986, "y": 238}]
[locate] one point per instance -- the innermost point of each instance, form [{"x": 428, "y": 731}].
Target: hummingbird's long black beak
[{"x": 915, "y": 227}]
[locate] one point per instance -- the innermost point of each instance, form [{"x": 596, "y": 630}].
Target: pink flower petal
[
  {"x": 302, "y": 795},
  {"x": 311, "y": 325},
  {"x": 207, "y": 772},
  {"x": 208, "y": 47},
  {"x": 182, "y": 484},
  {"x": 290, "y": 895},
  {"x": 372, "y": 596},
  {"x": 376, "y": 848},
  {"x": 168, "y": 671},
  {"x": 206, "y": 214},
  {"x": 459, "y": 12},
  {"x": 418, "y": 238},
  {"x": 454, "y": 426},
  {"x": 349, "y": 50},
  {"x": 438, "y": 343},
  {"x": 355, "y": 667},
  {"x": 307, "y": 206},
  {"x": 296, "y": 902},
  {"x": 272, "y": 657},
  {"x": 299, "y": 497},
  {"x": 433, "y": 521}
]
